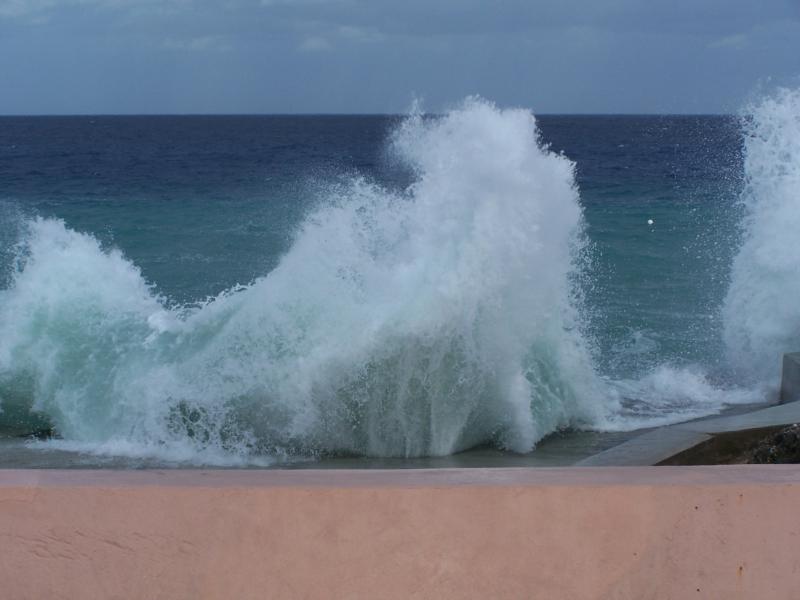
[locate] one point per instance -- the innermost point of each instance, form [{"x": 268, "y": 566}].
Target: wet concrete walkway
[{"x": 660, "y": 444}]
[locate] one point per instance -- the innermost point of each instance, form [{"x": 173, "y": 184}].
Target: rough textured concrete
[
  {"x": 611, "y": 533},
  {"x": 790, "y": 378},
  {"x": 658, "y": 445}
]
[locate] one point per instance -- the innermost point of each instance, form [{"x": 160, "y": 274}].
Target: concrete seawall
[
  {"x": 638, "y": 532},
  {"x": 790, "y": 378}
]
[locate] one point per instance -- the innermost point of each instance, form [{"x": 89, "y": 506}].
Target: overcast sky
[{"x": 356, "y": 56}]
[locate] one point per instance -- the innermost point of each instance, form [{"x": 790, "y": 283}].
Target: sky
[{"x": 378, "y": 56}]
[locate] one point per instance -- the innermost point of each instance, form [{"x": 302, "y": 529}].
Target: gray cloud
[{"x": 373, "y": 56}]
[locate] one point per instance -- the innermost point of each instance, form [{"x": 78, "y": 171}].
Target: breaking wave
[
  {"x": 413, "y": 322},
  {"x": 399, "y": 323},
  {"x": 762, "y": 313}
]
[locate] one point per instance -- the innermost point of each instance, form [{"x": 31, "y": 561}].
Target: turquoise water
[{"x": 245, "y": 290}]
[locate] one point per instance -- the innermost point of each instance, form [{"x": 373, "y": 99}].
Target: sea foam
[{"x": 399, "y": 323}]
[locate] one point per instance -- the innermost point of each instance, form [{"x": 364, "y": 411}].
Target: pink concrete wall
[{"x": 653, "y": 532}]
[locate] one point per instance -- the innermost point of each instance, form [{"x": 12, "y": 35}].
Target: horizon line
[{"x": 354, "y": 114}]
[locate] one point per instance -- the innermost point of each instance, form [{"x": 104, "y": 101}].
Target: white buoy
[{"x": 649, "y": 221}]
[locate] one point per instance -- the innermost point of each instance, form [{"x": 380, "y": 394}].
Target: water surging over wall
[
  {"x": 762, "y": 312},
  {"x": 408, "y": 323}
]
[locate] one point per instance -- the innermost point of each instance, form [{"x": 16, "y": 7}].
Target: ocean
[{"x": 283, "y": 290}]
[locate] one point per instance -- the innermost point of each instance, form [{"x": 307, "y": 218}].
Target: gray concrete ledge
[
  {"x": 40, "y": 479},
  {"x": 660, "y": 444}
]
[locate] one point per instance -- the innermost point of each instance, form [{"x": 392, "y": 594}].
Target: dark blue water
[
  {"x": 204, "y": 203},
  {"x": 150, "y": 185}
]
